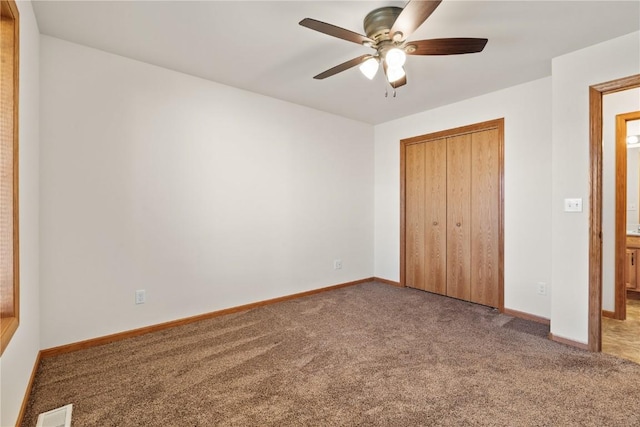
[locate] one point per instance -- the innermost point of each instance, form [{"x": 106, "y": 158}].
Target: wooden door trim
[
  {"x": 596, "y": 92},
  {"x": 620, "y": 312},
  {"x": 477, "y": 127},
  {"x": 501, "y": 216},
  {"x": 462, "y": 130}
]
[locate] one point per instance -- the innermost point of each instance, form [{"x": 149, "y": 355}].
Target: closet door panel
[
  {"x": 436, "y": 216},
  {"x": 415, "y": 216},
  {"x": 458, "y": 216},
  {"x": 485, "y": 199}
]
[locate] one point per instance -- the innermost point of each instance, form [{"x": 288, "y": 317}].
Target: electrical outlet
[
  {"x": 542, "y": 288},
  {"x": 337, "y": 264},
  {"x": 141, "y": 296}
]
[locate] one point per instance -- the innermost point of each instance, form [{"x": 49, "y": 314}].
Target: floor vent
[{"x": 59, "y": 417}]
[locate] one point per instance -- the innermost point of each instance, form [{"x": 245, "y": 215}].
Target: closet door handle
[
  {"x": 435, "y": 222},
  {"x": 458, "y": 224}
]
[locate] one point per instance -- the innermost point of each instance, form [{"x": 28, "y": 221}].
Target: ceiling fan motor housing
[{"x": 378, "y": 22}]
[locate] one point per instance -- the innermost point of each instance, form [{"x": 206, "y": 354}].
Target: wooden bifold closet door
[
  {"x": 451, "y": 222},
  {"x": 427, "y": 216}
]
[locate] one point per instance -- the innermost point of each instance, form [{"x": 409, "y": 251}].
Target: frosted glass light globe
[
  {"x": 395, "y": 57},
  {"x": 395, "y": 73},
  {"x": 369, "y": 68}
]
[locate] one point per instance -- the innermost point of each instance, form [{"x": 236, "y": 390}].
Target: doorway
[
  {"x": 621, "y": 135},
  {"x": 596, "y": 94},
  {"x": 627, "y": 221}
]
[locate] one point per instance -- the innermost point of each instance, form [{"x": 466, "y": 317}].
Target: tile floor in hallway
[{"x": 622, "y": 337}]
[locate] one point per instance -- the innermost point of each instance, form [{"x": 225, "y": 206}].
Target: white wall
[
  {"x": 527, "y": 223},
  {"x": 572, "y": 74},
  {"x": 633, "y": 188},
  {"x": 633, "y": 160},
  {"x": 612, "y": 105},
  {"x": 19, "y": 357},
  {"x": 204, "y": 195}
]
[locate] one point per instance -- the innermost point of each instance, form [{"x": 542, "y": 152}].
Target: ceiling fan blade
[
  {"x": 453, "y": 46},
  {"x": 412, "y": 16},
  {"x": 334, "y": 31},
  {"x": 342, "y": 67},
  {"x": 400, "y": 82}
]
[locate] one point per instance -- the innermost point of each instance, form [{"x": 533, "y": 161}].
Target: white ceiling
[{"x": 259, "y": 46}]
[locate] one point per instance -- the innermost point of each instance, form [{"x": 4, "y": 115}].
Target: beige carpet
[{"x": 370, "y": 354}]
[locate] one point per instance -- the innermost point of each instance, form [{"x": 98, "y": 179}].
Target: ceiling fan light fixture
[
  {"x": 395, "y": 73},
  {"x": 369, "y": 68},
  {"x": 387, "y": 30},
  {"x": 395, "y": 57}
]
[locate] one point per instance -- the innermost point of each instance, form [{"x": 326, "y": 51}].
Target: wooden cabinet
[
  {"x": 631, "y": 263},
  {"x": 452, "y": 210},
  {"x": 631, "y": 270}
]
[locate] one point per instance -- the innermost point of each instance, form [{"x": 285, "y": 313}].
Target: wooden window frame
[{"x": 9, "y": 84}]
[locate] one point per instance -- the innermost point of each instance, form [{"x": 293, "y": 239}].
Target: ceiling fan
[{"x": 387, "y": 30}]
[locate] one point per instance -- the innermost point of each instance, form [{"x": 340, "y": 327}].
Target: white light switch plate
[{"x": 573, "y": 205}]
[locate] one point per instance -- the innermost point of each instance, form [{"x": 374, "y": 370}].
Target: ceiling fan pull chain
[{"x": 394, "y": 93}]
